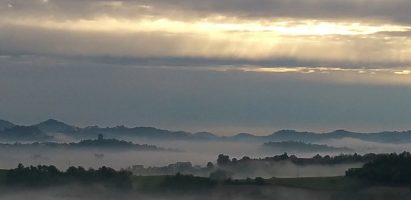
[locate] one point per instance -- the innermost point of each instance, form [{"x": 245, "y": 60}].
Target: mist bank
[
  {"x": 376, "y": 179},
  {"x": 199, "y": 153},
  {"x": 276, "y": 166}
]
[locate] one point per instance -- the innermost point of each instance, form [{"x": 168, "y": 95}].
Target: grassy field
[
  {"x": 171, "y": 182},
  {"x": 2, "y": 175},
  {"x": 187, "y": 187},
  {"x": 318, "y": 183},
  {"x": 193, "y": 183},
  {"x": 190, "y": 182}
]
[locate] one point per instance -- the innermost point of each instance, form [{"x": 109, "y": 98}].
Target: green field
[
  {"x": 187, "y": 186},
  {"x": 318, "y": 183},
  {"x": 186, "y": 182},
  {"x": 178, "y": 182},
  {"x": 192, "y": 182},
  {"x": 2, "y": 176}
]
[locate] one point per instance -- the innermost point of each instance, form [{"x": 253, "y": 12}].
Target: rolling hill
[{"x": 50, "y": 127}]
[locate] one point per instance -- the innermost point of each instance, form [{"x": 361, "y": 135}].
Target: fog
[
  {"x": 229, "y": 192},
  {"x": 287, "y": 170},
  {"x": 361, "y": 146},
  {"x": 198, "y": 153},
  {"x": 89, "y": 158}
]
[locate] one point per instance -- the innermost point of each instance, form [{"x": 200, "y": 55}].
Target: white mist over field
[{"x": 198, "y": 153}]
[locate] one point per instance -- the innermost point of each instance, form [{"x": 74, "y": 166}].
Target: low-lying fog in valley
[{"x": 196, "y": 152}]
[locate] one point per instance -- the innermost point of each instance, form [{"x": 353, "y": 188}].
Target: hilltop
[{"x": 49, "y": 129}]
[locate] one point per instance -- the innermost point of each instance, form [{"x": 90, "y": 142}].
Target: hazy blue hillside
[
  {"x": 100, "y": 143},
  {"x": 24, "y": 133},
  {"x": 294, "y": 146},
  {"x": 5, "y": 124},
  {"x": 52, "y": 126}
]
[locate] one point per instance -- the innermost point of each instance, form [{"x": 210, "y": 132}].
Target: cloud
[
  {"x": 394, "y": 10},
  {"x": 271, "y": 33},
  {"x": 251, "y": 47}
]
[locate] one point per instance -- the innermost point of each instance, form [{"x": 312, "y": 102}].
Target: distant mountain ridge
[
  {"x": 5, "y": 124},
  {"x": 52, "y": 125},
  {"x": 47, "y": 131},
  {"x": 24, "y": 133},
  {"x": 295, "y": 146}
]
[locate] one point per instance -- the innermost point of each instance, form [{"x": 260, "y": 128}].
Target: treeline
[
  {"x": 172, "y": 169},
  {"x": 386, "y": 169},
  {"x": 248, "y": 166},
  {"x": 109, "y": 144},
  {"x": 285, "y": 165},
  {"x": 42, "y": 175},
  {"x": 297, "y": 146},
  {"x": 224, "y": 160},
  {"x": 46, "y": 176},
  {"x": 177, "y": 182}
]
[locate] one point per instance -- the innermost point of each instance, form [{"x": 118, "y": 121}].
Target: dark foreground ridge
[
  {"x": 392, "y": 169},
  {"x": 42, "y": 175}
]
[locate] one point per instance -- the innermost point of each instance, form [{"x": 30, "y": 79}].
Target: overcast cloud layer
[
  {"x": 394, "y": 10},
  {"x": 358, "y": 33}
]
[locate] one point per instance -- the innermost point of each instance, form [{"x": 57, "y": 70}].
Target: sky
[{"x": 224, "y": 66}]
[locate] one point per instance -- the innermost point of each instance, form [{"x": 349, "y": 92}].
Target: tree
[
  {"x": 223, "y": 160},
  {"x": 210, "y": 166},
  {"x": 387, "y": 169},
  {"x": 220, "y": 175},
  {"x": 259, "y": 181}
]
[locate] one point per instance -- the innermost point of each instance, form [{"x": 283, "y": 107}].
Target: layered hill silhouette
[
  {"x": 294, "y": 146},
  {"x": 52, "y": 125},
  {"x": 50, "y": 129},
  {"x": 98, "y": 144},
  {"x": 5, "y": 124},
  {"x": 24, "y": 133}
]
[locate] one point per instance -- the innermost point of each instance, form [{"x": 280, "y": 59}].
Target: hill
[
  {"x": 52, "y": 126},
  {"x": 24, "y": 133},
  {"x": 100, "y": 144},
  {"x": 293, "y": 147},
  {"x": 5, "y": 124}
]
